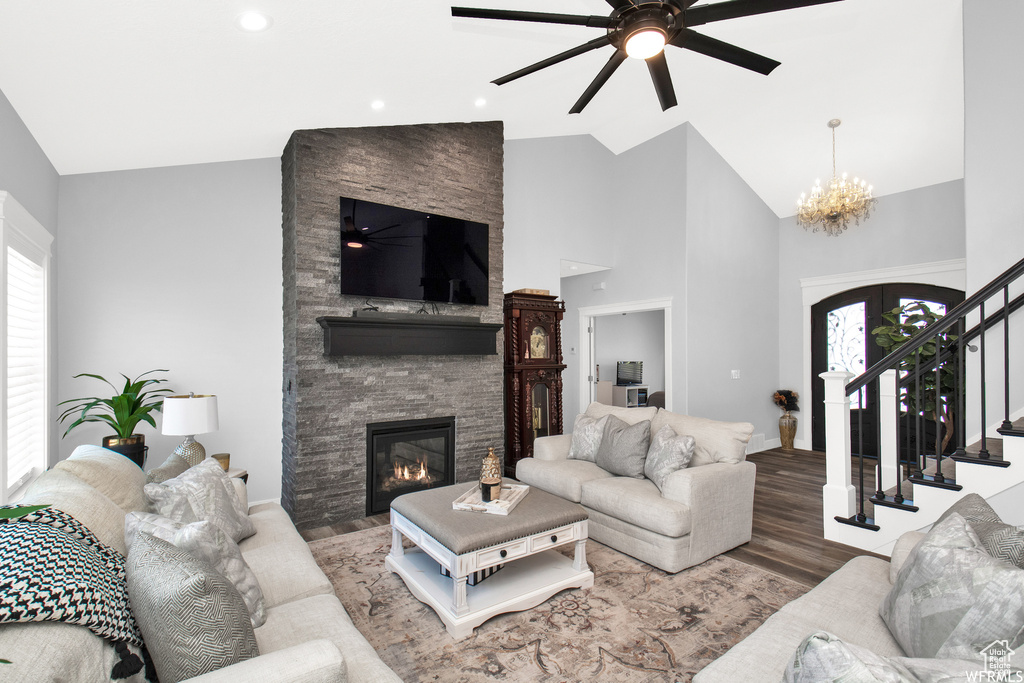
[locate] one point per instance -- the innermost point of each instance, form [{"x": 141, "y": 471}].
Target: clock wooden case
[{"x": 533, "y": 373}]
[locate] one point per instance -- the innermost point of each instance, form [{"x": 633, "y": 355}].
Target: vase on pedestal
[{"x": 787, "y": 430}]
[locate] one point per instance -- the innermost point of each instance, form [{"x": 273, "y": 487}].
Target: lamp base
[{"x": 191, "y": 450}]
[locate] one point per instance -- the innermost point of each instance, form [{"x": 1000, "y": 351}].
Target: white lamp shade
[{"x": 189, "y": 415}]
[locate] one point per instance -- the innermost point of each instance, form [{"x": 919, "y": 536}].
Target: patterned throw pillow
[
  {"x": 623, "y": 447},
  {"x": 192, "y": 618},
  {"x": 952, "y": 599},
  {"x": 668, "y": 453},
  {"x": 203, "y": 492},
  {"x": 207, "y": 542},
  {"x": 999, "y": 540},
  {"x": 586, "y": 437}
]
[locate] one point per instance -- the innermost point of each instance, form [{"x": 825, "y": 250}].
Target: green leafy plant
[
  {"x": 905, "y": 322},
  {"x": 123, "y": 411}
]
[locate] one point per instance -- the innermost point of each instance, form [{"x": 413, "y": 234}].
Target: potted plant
[
  {"x": 787, "y": 400},
  {"x": 123, "y": 411}
]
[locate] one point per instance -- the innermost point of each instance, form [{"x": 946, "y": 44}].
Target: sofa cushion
[
  {"x": 202, "y": 492},
  {"x": 639, "y": 502},
  {"x": 207, "y": 542},
  {"x": 563, "y": 478},
  {"x": 628, "y": 415},
  {"x": 273, "y": 525},
  {"x": 171, "y": 467},
  {"x": 714, "y": 441},
  {"x": 587, "y": 433},
  {"x": 668, "y": 453},
  {"x": 110, "y": 473},
  {"x": 55, "y": 651},
  {"x": 623, "y": 448},
  {"x": 1004, "y": 541},
  {"x": 66, "y": 492},
  {"x": 192, "y": 619},
  {"x": 286, "y": 572},
  {"x": 323, "y": 617},
  {"x": 952, "y": 599}
]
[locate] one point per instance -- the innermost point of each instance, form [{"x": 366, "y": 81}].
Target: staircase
[{"x": 869, "y": 502}]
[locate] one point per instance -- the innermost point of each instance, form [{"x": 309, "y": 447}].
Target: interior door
[{"x": 841, "y": 340}]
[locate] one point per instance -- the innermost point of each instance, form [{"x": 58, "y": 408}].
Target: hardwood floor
[{"x": 787, "y": 533}]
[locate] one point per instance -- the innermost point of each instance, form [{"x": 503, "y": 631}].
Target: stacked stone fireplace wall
[{"x": 451, "y": 169}]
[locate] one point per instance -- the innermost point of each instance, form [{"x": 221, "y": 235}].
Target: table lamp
[{"x": 187, "y": 416}]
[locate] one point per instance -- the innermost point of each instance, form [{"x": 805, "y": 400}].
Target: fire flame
[{"x": 403, "y": 472}]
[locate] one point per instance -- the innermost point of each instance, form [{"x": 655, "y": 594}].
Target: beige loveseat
[
  {"x": 307, "y": 635},
  {"x": 700, "y": 511}
]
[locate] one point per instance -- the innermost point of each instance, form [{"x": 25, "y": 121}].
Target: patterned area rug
[{"x": 636, "y": 624}]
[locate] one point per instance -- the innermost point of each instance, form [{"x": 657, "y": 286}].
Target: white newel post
[
  {"x": 890, "y": 457},
  {"x": 838, "y": 494}
]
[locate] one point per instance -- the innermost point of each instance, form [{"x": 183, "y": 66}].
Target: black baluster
[
  {"x": 938, "y": 414},
  {"x": 983, "y": 453},
  {"x": 861, "y": 517},
  {"x": 919, "y": 453},
  {"x": 879, "y": 492},
  {"x": 958, "y": 386},
  {"x": 1006, "y": 359}
]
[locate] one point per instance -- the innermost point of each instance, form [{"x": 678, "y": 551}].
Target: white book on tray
[{"x": 511, "y": 494}]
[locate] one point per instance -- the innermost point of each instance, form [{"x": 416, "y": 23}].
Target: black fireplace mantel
[{"x": 408, "y": 334}]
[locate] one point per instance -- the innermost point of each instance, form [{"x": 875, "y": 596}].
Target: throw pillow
[
  {"x": 171, "y": 467},
  {"x": 824, "y": 657},
  {"x": 715, "y": 441},
  {"x": 586, "y": 437},
  {"x": 110, "y": 473},
  {"x": 999, "y": 540},
  {"x": 192, "y": 619},
  {"x": 952, "y": 599},
  {"x": 668, "y": 453},
  {"x": 202, "y": 492},
  {"x": 624, "y": 447},
  {"x": 207, "y": 542}
]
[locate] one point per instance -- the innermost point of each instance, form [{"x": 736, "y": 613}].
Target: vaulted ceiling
[{"x": 122, "y": 84}]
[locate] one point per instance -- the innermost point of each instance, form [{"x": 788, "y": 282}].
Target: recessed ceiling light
[
  {"x": 480, "y": 102},
  {"x": 253, "y": 21},
  {"x": 377, "y": 105}
]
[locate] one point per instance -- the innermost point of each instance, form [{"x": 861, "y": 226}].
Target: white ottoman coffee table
[{"x": 464, "y": 542}]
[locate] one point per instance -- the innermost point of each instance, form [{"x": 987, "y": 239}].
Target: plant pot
[
  {"x": 133, "y": 447},
  {"x": 787, "y": 430}
]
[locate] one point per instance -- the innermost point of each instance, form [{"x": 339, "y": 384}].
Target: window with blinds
[
  {"x": 24, "y": 347},
  {"x": 26, "y": 369}
]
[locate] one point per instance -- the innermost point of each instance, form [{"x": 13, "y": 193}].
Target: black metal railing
[{"x": 947, "y": 340}]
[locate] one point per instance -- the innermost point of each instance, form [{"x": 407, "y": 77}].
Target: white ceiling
[{"x": 121, "y": 84}]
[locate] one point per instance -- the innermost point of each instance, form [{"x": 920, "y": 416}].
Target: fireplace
[{"x": 406, "y": 456}]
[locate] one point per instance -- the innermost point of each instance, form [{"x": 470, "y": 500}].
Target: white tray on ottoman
[{"x": 464, "y": 542}]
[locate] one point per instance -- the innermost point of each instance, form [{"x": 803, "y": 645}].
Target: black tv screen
[
  {"x": 629, "y": 372},
  {"x": 395, "y": 253}
]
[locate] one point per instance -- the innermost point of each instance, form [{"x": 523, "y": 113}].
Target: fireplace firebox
[{"x": 405, "y": 456}]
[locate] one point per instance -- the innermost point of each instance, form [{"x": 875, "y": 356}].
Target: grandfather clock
[{"x": 533, "y": 372}]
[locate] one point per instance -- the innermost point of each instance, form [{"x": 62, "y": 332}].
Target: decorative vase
[
  {"x": 490, "y": 477},
  {"x": 787, "y": 430},
  {"x": 132, "y": 447}
]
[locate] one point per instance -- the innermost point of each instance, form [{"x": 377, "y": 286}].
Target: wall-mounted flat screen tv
[{"x": 395, "y": 253}]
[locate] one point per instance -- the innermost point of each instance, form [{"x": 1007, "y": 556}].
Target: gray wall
[
  {"x": 632, "y": 336},
  {"x": 179, "y": 268},
  {"x": 920, "y": 226},
  {"x": 27, "y": 174}
]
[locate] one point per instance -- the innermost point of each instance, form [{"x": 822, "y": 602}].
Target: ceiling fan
[
  {"x": 353, "y": 237},
  {"x": 642, "y": 30}
]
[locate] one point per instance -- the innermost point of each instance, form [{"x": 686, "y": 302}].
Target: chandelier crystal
[{"x": 832, "y": 207}]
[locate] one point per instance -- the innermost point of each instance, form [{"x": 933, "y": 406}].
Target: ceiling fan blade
[
  {"x": 619, "y": 4},
  {"x": 658, "y": 67},
  {"x": 712, "y": 47},
  {"x": 542, "y": 17},
  {"x": 560, "y": 57},
  {"x": 732, "y": 9},
  {"x": 602, "y": 77}
]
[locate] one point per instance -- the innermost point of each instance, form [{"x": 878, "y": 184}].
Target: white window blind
[
  {"x": 26, "y": 368},
  {"x": 24, "y": 348}
]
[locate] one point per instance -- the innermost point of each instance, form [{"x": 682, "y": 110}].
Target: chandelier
[{"x": 831, "y": 208}]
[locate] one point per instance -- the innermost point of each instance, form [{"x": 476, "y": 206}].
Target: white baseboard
[{"x": 758, "y": 443}]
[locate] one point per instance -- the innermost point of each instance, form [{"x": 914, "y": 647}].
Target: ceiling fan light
[
  {"x": 645, "y": 42},
  {"x": 354, "y": 245}
]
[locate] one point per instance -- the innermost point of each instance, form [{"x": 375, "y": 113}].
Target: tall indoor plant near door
[{"x": 123, "y": 411}]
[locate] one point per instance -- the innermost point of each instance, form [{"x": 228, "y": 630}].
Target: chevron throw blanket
[{"x": 52, "y": 568}]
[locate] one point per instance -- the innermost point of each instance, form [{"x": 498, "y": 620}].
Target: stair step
[
  {"x": 992, "y": 460},
  {"x": 1016, "y": 428},
  {"x": 890, "y": 502},
  {"x": 994, "y": 446},
  {"x": 930, "y": 480},
  {"x": 868, "y": 523}
]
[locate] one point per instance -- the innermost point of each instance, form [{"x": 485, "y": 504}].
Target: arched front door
[{"x": 841, "y": 340}]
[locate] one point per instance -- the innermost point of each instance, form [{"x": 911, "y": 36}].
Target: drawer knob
[
  {"x": 554, "y": 539},
  {"x": 503, "y": 553}
]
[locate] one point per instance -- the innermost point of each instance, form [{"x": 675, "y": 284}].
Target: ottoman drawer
[
  {"x": 501, "y": 553},
  {"x": 552, "y": 538}
]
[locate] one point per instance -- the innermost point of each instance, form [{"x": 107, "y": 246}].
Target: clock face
[{"x": 539, "y": 343}]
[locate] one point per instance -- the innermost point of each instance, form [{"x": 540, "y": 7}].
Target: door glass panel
[
  {"x": 847, "y": 342},
  {"x": 541, "y": 421}
]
